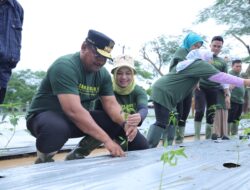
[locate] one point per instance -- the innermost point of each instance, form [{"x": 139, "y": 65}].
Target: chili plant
[
  {"x": 127, "y": 111},
  {"x": 13, "y": 119},
  {"x": 172, "y": 121},
  {"x": 170, "y": 157}
]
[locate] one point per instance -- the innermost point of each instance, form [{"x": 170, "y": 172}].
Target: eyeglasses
[{"x": 97, "y": 55}]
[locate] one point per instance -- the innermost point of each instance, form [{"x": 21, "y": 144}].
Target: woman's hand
[
  {"x": 131, "y": 132},
  {"x": 134, "y": 119}
]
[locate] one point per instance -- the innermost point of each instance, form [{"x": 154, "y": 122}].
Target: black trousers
[
  {"x": 183, "y": 109},
  {"x": 205, "y": 98},
  {"x": 234, "y": 112},
  {"x": 161, "y": 115},
  {"x": 2, "y": 95},
  {"x": 52, "y": 130}
]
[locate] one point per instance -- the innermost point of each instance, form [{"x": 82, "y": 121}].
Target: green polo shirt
[
  {"x": 137, "y": 97},
  {"x": 67, "y": 75},
  {"x": 179, "y": 55},
  {"x": 220, "y": 65},
  {"x": 237, "y": 94},
  {"x": 174, "y": 87}
]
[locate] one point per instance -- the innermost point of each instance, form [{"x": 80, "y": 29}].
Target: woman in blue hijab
[{"x": 191, "y": 41}]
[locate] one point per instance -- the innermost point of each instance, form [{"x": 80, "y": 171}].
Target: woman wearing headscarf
[
  {"x": 177, "y": 84},
  {"x": 130, "y": 96},
  {"x": 191, "y": 41}
]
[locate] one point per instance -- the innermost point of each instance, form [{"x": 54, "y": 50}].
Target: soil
[{"x": 28, "y": 160}]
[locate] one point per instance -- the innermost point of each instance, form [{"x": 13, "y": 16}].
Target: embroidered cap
[
  {"x": 103, "y": 43},
  {"x": 123, "y": 61}
]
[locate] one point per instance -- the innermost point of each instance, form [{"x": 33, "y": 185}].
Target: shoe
[
  {"x": 214, "y": 136},
  {"x": 40, "y": 161},
  {"x": 225, "y": 138}
]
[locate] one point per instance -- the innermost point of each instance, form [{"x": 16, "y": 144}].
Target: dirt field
[{"x": 4, "y": 164}]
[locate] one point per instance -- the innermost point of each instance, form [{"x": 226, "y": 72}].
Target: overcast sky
[{"x": 56, "y": 27}]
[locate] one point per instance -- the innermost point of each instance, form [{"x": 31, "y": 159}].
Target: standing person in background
[
  {"x": 133, "y": 100},
  {"x": 173, "y": 87},
  {"x": 11, "y": 22},
  {"x": 220, "y": 126},
  {"x": 237, "y": 100},
  {"x": 191, "y": 41},
  {"x": 207, "y": 91}
]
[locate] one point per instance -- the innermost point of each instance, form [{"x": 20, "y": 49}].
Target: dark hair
[
  {"x": 236, "y": 61},
  {"x": 217, "y": 38}
]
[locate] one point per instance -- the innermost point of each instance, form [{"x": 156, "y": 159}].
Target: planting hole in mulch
[
  {"x": 1, "y": 176},
  {"x": 241, "y": 137},
  {"x": 231, "y": 165}
]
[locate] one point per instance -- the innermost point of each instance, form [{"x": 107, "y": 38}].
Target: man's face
[
  {"x": 237, "y": 67},
  {"x": 93, "y": 61},
  {"x": 216, "y": 47}
]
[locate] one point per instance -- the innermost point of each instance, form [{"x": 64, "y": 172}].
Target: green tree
[
  {"x": 158, "y": 53},
  {"x": 141, "y": 72},
  {"x": 22, "y": 86},
  {"x": 234, "y": 14}
]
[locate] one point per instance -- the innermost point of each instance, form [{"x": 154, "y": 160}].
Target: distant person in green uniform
[
  {"x": 133, "y": 100},
  {"x": 237, "y": 100},
  {"x": 61, "y": 108},
  {"x": 191, "y": 41},
  {"x": 206, "y": 94},
  {"x": 177, "y": 84}
]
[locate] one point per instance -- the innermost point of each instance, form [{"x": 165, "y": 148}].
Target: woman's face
[
  {"x": 124, "y": 77},
  {"x": 196, "y": 46}
]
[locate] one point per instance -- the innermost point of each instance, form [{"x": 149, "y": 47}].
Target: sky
[{"x": 53, "y": 28}]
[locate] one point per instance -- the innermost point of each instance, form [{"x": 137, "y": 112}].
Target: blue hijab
[{"x": 190, "y": 40}]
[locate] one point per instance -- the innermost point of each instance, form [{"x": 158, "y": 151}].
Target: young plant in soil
[
  {"x": 212, "y": 110},
  {"x": 13, "y": 119},
  {"x": 240, "y": 141},
  {"x": 172, "y": 121},
  {"x": 170, "y": 157},
  {"x": 127, "y": 111}
]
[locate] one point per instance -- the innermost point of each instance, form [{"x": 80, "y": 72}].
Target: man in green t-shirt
[
  {"x": 237, "y": 100},
  {"x": 133, "y": 100},
  {"x": 206, "y": 95},
  {"x": 61, "y": 109}
]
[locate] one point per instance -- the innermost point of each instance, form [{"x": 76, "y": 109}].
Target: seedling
[
  {"x": 246, "y": 131},
  {"x": 170, "y": 157},
  {"x": 127, "y": 111},
  {"x": 13, "y": 119},
  {"x": 172, "y": 121},
  {"x": 124, "y": 142},
  {"x": 240, "y": 141},
  {"x": 212, "y": 110}
]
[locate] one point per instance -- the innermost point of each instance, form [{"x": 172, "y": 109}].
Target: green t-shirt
[
  {"x": 174, "y": 87},
  {"x": 220, "y": 65},
  {"x": 238, "y": 93},
  {"x": 67, "y": 75},
  {"x": 137, "y": 97},
  {"x": 179, "y": 55}
]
